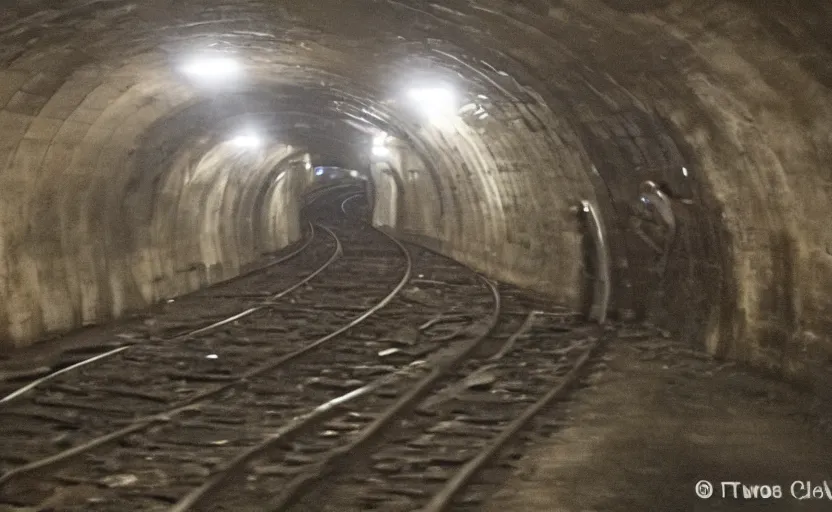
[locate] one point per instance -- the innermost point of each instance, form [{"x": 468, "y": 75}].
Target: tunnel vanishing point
[{"x": 154, "y": 147}]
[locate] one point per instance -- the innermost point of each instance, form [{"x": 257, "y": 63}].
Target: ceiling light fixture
[
  {"x": 212, "y": 68},
  {"x": 381, "y": 151},
  {"x": 247, "y": 141}
]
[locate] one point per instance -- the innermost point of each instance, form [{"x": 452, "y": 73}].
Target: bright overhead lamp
[
  {"x": 247, "y": 141},
  {"x": 212, "y": 69},
  {"x": 381, "y": 151},
  {"x": 434, "y": 99},
  {"x": 380, "y": 139},
  {"x": 437, "y": 104}
]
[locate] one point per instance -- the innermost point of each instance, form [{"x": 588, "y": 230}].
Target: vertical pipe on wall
[{"x": 601, "y": 288}]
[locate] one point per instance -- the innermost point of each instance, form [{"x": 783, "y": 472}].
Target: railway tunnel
[{"x": 664, "y": 166}]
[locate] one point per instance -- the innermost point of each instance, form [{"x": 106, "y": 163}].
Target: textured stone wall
[
  {"x": 702, "y": 107},
  {"x": 112, "y": 202},
  {"x": 725, "y": 104}
]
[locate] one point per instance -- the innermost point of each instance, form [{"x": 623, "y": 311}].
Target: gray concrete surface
[{"x": 657, "y": 421}]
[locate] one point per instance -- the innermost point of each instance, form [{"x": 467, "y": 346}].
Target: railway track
[
  {"x": 431, "y": 431},
  {"x": 413, "y": 442},
  {"x": 428, "y": 457},
  {"x": 219, "y": 304},
  {"x": 218, "y": 307},
  {"x": 380, "y": 377},
  {"x": 167, "y": 320},
  {"x": 122, "y": 427}
]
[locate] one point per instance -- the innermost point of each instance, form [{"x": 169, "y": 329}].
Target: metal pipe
[{"x": 602, "y": 287}]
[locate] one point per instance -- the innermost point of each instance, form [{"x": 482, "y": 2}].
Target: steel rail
[
  {"x": 443, "y": 499},
  {"x": 50, "y": 376},
  {"x": 235, "y": 468},
  {"x": 191, "y": 403},
  {"x": 345, "y": 201},
  {"x": 345, "y": 455}
]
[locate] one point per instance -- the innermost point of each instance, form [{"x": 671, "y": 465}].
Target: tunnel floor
[
  {"x": 661, "y": 418},
  {"x": 368, "y": 375}
]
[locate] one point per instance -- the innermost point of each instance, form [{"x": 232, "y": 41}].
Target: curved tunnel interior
[
  {"x": 152, "y": 148},
  {"x": 532, "y": 168}
]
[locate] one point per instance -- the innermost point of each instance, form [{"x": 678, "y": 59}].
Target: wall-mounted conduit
[{"x": 601, "y": 287}]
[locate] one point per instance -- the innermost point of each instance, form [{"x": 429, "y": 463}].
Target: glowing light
[
  {"x": 684, "y": 171},
  {"x": 437, "y": 104},
  {"x": 307, "y": 165},
  {"x": 379, "y": 145},
  {"x": 319, "y": 171},
  {"x": 353, "y": 174},
  {"x": 212, "y": 356},
  {"x": 212, "y": 69},
  {"x": 380, "y": 139},
  {"x": 246, "y": 141},
  {"x": 434, "y": 100}
]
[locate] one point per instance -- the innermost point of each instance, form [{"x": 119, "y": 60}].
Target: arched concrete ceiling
[{"x": 120, "y": 185}]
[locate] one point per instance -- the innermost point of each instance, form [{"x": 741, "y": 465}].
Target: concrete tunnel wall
[
  {"x": 585, "y": 100},
  {"x": 108, "y": 205}
]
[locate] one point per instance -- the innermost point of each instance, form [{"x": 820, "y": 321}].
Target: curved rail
[
  {"x": 301, "y": 484},
  {"x": 316, "y": 194},
  {"x": 46, "y": 378},
  {"x": 443, "y": 499},
  {"x": 190, "y": 403},
  {"x": 278, "y": 261},
  {"x": 325, "y": 411},
  {"x": 338, "y": 251},
  {"x": 345, "y": 201}
]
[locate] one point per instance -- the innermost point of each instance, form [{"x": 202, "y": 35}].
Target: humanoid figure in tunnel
[{"x": 654, "y": 221}]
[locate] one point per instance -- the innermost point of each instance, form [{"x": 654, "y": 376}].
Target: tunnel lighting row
[
  {"x": 249, "y": 141},
  {"x": 217, "y": 70},
  {"x": 380, "y": 149},
  {"x": 434, "y": 101},
  {"x": 212, "y": 70},
  {"x": 437, "y": 104}
]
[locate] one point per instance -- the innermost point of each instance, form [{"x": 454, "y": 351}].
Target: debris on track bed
[{"x": 357, "y": 374}]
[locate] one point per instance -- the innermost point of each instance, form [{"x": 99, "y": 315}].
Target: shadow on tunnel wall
[
  {"x": 791, "y": 23},
  {"x": 685, "y": 289},
  {"x": 636, "y": 6}
]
